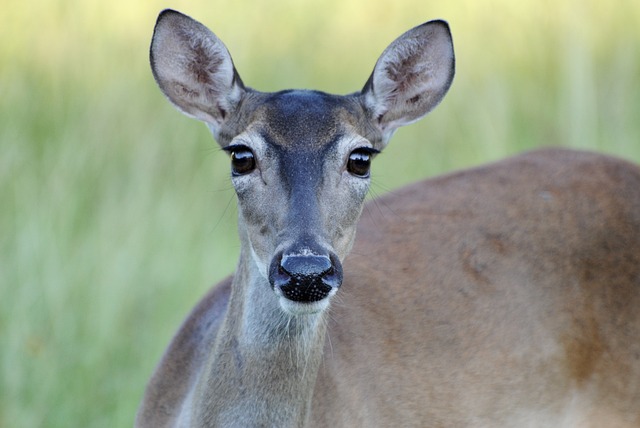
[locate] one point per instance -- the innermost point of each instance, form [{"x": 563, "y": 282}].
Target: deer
[{"x": 505, "y": 295}]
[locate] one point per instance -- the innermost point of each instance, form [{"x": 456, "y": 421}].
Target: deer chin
[{"x": 294, "y": 308}]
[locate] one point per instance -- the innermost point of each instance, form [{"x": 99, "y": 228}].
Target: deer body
[{"x": 507, "y": 295}]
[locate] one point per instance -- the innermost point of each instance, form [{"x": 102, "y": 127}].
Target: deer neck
[{"x": 264, "y": 365}]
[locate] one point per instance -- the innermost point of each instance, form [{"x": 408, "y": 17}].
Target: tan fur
[{"x": 483, "y": 295}]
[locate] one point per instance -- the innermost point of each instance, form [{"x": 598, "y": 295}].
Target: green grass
[{"x": 116, "y": 212}]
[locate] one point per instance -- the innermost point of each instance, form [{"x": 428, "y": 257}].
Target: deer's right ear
[
  {"x": 194, "y": 69},
  {"x": 411, "y": 77}
]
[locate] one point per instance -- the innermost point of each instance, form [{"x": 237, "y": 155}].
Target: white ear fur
[
  {"x": 411, "y": 77},
  {"x": 194, "y": 69}
]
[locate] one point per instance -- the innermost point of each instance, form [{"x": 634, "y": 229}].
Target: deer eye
[
  {"x": 359, "y": 163},
  {"x": 242, "y": 160}
]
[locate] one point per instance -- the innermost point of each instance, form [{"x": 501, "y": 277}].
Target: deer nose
[{"x": 305, "y": 278}]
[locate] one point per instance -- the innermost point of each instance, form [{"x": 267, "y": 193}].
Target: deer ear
[
  {"x": 194, "y": 69},
  {"x": 411, "y": 77}
]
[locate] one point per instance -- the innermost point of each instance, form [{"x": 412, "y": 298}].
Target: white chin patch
[{"x": 298, "y": 308}]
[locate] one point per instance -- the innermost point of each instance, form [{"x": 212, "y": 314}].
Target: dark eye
[
  {"x": 242, "y": 161},
  {"x": 359, "y": 162}
]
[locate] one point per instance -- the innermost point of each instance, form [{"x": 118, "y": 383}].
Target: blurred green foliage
[{"x": 116, "y": 212}]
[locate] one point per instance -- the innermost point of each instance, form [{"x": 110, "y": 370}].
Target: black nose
[{"x": 305, "y": 278}]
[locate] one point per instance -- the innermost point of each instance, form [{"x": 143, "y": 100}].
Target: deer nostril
[{"x": 305, "y": 278}]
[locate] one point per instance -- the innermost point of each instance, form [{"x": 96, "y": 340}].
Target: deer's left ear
[{"x": 411, "y": 77}]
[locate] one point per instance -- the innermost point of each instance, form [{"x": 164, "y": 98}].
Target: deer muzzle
[{"x": 305, "y": 277}]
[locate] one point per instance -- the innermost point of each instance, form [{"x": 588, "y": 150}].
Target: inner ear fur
[
  {"x": 194, "y": 69},
  {"x": 411, "y": 76}
]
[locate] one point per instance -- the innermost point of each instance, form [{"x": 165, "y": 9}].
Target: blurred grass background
[{"x": 116, "y": 212}]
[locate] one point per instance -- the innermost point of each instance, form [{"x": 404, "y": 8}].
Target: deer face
[
  {"x": 300, "y": 168},
  {"x": 300, "y": 159}
]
